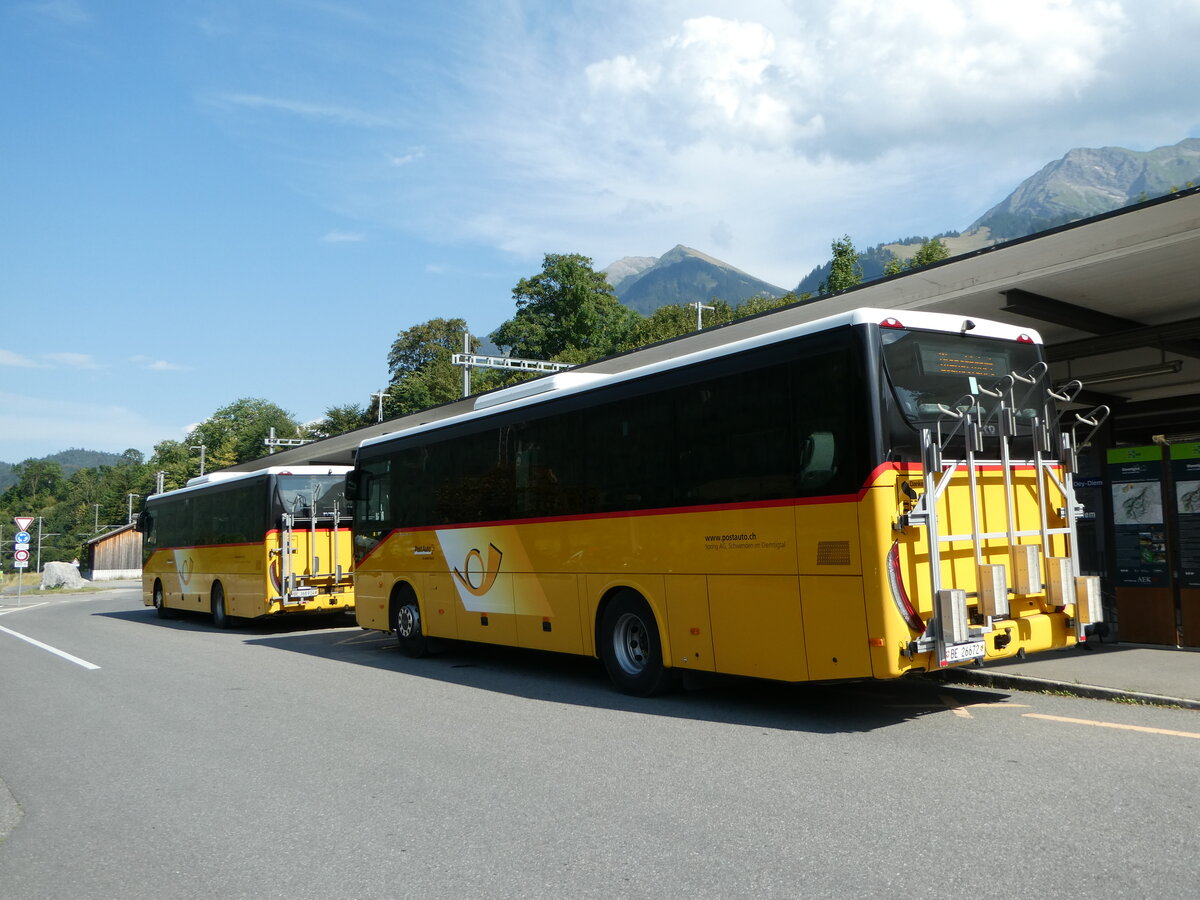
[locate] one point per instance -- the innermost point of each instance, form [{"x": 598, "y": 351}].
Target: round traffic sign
[
  {"x": 22, "y": 537},
  {"x": 20, "y": 556}
]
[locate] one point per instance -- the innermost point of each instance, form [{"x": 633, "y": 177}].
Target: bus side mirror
[
  {"x": 353, "y": 485},
  {"x": 142, "y": 522}
]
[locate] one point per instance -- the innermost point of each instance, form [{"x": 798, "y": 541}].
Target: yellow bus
[
  {"x": 862, "y": 496},
  {"x": 249, "y": 544}
]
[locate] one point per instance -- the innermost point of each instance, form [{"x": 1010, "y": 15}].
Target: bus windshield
[
  {"x": 929, "y": 369},
  {"x": 305, "y": 495}
]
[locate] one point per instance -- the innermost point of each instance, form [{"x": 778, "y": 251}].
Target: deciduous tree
[
  {"x": 845, "y": 271},
  {"x": 567, "y": 307},
  {"x": 419, "y": 364},
  {"x": 235, "y": 433},
  {"x": 931, "y": 251}
]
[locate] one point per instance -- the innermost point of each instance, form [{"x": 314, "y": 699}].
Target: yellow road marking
[
  {"x": 960, "y": 709},
  {"x": 954, "y": 707},
  {"x": 1141, "y": 728}
]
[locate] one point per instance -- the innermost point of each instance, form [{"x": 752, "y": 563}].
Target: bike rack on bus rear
[
  {"x": 296, "y": 588},
  {"x": 951, "y": 632}
]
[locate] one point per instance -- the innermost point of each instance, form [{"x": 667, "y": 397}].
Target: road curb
[{"x": 1029, "y": 683}]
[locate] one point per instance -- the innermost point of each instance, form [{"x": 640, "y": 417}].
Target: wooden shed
[{"x": 116, "y": 554}]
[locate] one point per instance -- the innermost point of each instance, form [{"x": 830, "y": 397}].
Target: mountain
[
  {"x": 70, "y": 461},
  {"x": 681, "y": 275},
  {"x": 627, "y": 269},
  {"x": 1087, "y": 182}
]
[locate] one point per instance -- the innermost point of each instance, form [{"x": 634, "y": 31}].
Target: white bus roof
[
  {"x": 568, "y": 383},
  {"x": 215, "y": 478}
]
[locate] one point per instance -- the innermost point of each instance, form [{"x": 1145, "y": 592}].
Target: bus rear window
[
  {"x": 927, "y": 368},
  {"x": 301, "y": 495}
]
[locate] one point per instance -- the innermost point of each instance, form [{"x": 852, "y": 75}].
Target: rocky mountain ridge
[
  {"x": 1084, "y": 182},
  {"x": 1088, "y": 182},
  {"x": 682, "y": 275}
]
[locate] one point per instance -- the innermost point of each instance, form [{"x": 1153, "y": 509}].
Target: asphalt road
[{"x": 296, "y": 760}]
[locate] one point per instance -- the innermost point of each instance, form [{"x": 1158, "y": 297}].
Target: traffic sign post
[{"x": 21, "y": 550}]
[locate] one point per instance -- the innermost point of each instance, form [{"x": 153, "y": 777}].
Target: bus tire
[
  {"x": 406, "y": 622},
  {"x": 160, "y": 602},
  {"x": 221, "y": 619},
  {"x": 631, "y": 648}
]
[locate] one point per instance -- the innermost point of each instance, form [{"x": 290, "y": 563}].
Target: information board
[
  {"x": 1139, "y": 532},
  {"x": 1185, "y": 473}
]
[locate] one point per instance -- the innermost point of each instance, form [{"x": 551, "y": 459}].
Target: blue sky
[{"x": 203, "y": 200}]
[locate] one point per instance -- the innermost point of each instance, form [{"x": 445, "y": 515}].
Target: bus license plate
[
  {"x": 960, "y": 652},
  {"x": 312, "y": 592}
]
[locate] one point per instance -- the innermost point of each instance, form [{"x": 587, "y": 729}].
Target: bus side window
[
  {"x": 830, "y": 423},
  {"x": 818, "y": 460},
  {"x": 375, "y": 494},
  {"x": 145, "y": 525}
]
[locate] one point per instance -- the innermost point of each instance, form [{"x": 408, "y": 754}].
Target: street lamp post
[
  {"x": 201, "y": 448},
  {"x": 700, "y": 307}
]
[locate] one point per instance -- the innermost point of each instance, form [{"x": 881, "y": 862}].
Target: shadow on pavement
[
  {"x": 819, "y": 708},
  {"x": 562, "y": 678}
]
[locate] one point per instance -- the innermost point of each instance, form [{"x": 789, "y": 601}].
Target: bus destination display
[{"x": 940, "y": 361}]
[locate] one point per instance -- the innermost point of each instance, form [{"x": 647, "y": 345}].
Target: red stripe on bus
[
  {"x": 627, "y": 514},
  {"x": 205, "y": 546}
]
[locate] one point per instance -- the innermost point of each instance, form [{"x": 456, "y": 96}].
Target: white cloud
[
  {"x": 343, "y": 237},
  {"x": 404, "y": 159},
  {"x": 157, "y": 365},
  {"x": 770, "y": 128},
  {"x": 761, "y": 129},
  {"x": 9, "y": 358},
  {"x": 65, "y": 12},
  {"x": 74, "y": 360},
  {"x": 31, "y": 426},
  {"x": 856, "y": 77},
  {"x": 330, "y": 113}
]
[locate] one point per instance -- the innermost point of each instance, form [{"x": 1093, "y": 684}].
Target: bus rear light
[
  {"x": 1024, "y": 339},
  {"x": 890, "y": 322},
  {"x": 899, "y": 594},
  {"x": 876, "y": 642}
]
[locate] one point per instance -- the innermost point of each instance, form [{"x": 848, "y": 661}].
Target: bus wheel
[
  {"x": 630, "y": 646},
  {"x": 160, "y": 604},
  {"x": 406, "y": 622},
  {"x": 220, "y": 618}
]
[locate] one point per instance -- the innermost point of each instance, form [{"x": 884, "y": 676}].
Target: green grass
[{"x": 30, "y": 582}]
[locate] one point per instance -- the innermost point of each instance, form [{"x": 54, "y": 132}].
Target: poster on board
[
  {"x": 1139, "y": 529},
  {"x": 1185, "y": 473}
]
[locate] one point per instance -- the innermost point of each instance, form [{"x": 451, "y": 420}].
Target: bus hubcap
[
  {"x": 630, "y": 644},
  {"x": 407, "y": 621}
]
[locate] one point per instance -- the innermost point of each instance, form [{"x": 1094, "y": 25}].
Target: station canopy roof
[{"x": 1116, "y": 299}]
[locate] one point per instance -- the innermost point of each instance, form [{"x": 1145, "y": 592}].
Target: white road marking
[
  {"x": 14, "y": 609},
  {"x": 67, "y": 656}
]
